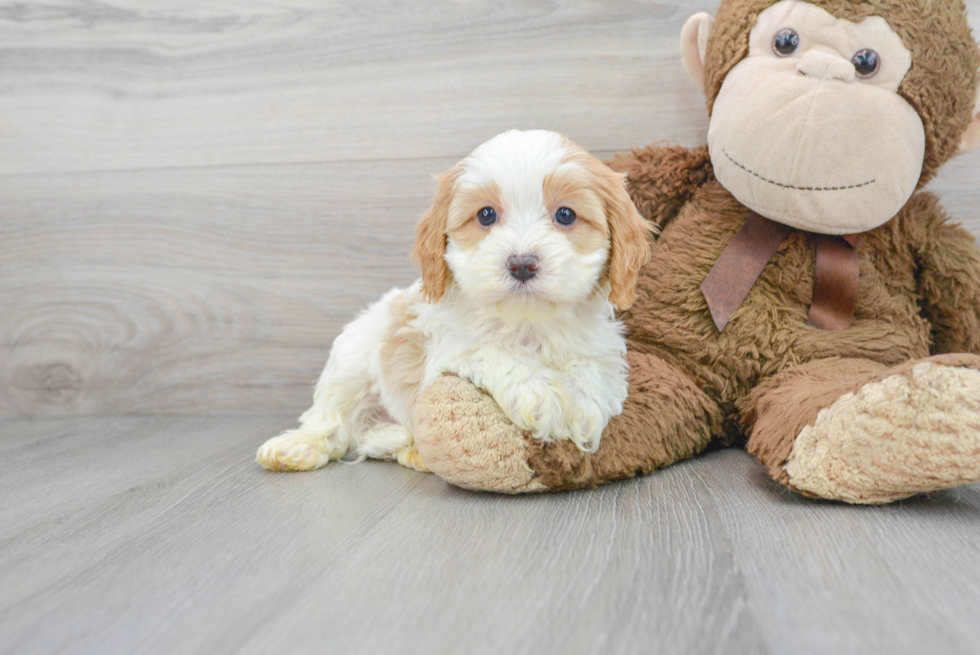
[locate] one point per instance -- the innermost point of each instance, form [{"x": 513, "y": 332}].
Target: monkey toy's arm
[
  {"x": 948, "y": 279},
  {"x": 662, "y": 178}
]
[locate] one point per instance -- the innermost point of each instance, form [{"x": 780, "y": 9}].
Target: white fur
[{"x": 549, "y": 351}]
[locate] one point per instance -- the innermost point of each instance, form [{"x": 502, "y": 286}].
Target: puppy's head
[{"x": 532, "y": 217}]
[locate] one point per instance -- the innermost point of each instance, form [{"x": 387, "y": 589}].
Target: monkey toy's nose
[
  {"x": 522, "y": 267},
  {"x": 824, "y": 66}
]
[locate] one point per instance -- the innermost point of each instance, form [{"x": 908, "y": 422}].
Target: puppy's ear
[
  {"x": 430, "y": 237},
  {"x": 629, "y": 236}
]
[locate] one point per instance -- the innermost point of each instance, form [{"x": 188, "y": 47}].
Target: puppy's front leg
[
  {"x": 531, "y": 395},
  {"x": 597, "y": 389},
  {"x": 343, "y": 404}
]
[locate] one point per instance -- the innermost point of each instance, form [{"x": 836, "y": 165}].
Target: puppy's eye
[
  {"x": 867, "y": 63},
  {"x": 786, "y": 42},
  {"x": 487, "y": 216},
  {"x": 565, "y": 216}
]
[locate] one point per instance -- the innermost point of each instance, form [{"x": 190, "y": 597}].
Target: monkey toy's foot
[{"x": 895, "y": 433}]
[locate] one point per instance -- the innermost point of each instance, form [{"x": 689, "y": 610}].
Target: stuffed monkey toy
[{"x": 806, "y": 298}]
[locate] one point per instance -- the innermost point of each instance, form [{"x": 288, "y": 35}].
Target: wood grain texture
[
  {"x": 894, "y": 579},
  {"x": 197, "y": 197},
  {"x": 118, "y": 84},
  {"x": 187, "y": 291},
  {"x": 159, "y": 534}
]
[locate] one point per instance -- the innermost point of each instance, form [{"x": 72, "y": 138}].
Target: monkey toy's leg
[
  {"x": 860, "y": 432},
  {"x": 465, "y": 439}
]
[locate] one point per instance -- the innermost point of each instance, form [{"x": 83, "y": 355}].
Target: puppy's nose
[{"x": 523, "y": 267}]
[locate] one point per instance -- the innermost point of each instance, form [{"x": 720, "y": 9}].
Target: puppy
[{"x": 529, "y": 245}]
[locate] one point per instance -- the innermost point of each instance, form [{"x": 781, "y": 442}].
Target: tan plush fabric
[
  {"x": 449, "y": 414},
  {"x": 914, "y": 431},
  {"x": 943, "y": 76},
  {"x": 971, "y": 140},
  {"x": 781, "y": 407},
  {"x": 662, "y": 178},
  {"x": 852, "y": 182}
]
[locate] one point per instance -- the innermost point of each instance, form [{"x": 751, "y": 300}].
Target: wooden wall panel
[
  {"x": 112, "y": 84},
  {"x": 196, "y": 198},
  {"x": 214, "y": 290}
]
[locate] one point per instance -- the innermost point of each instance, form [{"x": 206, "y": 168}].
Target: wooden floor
[{"x": 160, "y": 535}]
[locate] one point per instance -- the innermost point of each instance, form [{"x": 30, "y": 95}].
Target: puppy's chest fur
[{"x": 423, "y": 341}]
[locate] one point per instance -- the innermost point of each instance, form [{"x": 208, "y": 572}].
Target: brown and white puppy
[{"x": 528, "y": 247}]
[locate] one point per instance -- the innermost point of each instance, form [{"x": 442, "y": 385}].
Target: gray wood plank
[
  {"x": 97, "y": 554},
  {"x": 162, "y": 536},
  {"x": 185, "y": 291},
  {"x": 958, "y": 185},
  {"x": 832, "y": 578},
  {"x": 121, "y": 84},
  {"x": 216, "y": 556},
  {"x": 63, "y": 466},
  {"x": 632, "y": 568}
]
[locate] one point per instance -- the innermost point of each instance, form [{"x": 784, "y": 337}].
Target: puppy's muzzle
[{"x": 522, "y": 267}]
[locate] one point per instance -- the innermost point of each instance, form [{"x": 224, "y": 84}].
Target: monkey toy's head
[{"x": 828, "y": 115}]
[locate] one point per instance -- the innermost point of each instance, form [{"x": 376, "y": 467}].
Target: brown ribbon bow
[{"x": 742, "y": 262}]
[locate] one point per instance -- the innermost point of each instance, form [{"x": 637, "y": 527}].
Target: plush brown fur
[
  {"x": 768, "y": 375},
  {"x": 668, "y": 419},
  {"x": 662, "y": 178}
]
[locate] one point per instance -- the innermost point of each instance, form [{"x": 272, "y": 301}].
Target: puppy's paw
[
  {"x": 294, "y": 451},
  {"x": 538, "y": 405},
  {"x": 410, "y": 458},
  {"x": 584, "y": 421}
]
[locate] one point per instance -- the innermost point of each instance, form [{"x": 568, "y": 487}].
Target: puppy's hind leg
[
  {"x": 338, "y": 412},
  {"x": 390, "y": 441},
  {"x": 295, "y": 450},
  {"x": 343, "y": 404}
]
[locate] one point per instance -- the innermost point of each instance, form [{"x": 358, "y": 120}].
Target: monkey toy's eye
[
  {"x": 565, "y": 216},
  {"x": 487, "y": 216},
  {"x": 786, "y": 42},
  {"x": 867, "y": 63}
]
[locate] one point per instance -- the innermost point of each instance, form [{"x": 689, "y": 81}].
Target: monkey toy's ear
[
  {"x": 694, "y": 46},
  {"x": 971, "y": 139}
]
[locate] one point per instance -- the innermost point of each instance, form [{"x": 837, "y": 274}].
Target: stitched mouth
[{"x": 797, "y": 188}]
